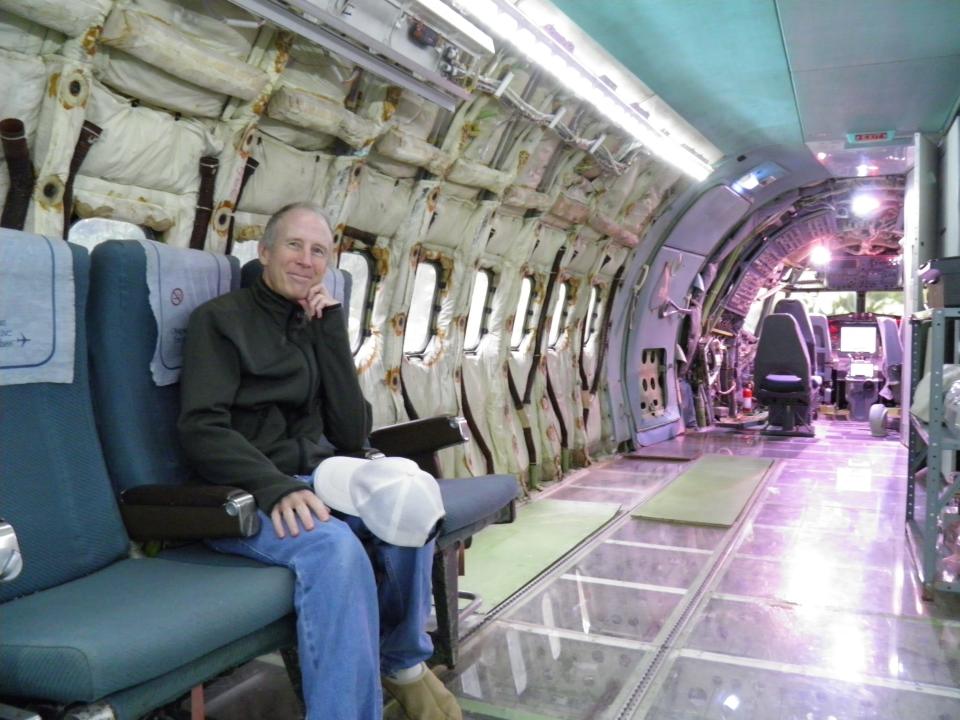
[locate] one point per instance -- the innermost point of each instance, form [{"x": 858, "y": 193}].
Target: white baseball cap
[{"x": 397, "y": 501}]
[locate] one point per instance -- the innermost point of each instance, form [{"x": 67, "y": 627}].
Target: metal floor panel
[{"x": 813, "y": 611}]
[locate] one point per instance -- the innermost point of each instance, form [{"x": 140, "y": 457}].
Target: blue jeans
[{"x": 350, "y": 626}]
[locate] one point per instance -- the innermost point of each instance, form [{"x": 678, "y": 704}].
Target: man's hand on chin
[
  {"x": 301, "y": 505},
  {"x": 316, "y": 301}
]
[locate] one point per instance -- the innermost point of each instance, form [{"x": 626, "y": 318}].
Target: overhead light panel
[
  {"x": 864, "y": 204},
  {"x": 760, "y": 176},
  {"x": 820, "y": 256}
]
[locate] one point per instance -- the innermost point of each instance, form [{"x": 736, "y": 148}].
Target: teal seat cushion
[
  {"x": 131, "y": 622},
  {"x": 472, "y": 504}
]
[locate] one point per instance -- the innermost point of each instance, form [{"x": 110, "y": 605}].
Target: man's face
[{"x": 298, "y": 258}]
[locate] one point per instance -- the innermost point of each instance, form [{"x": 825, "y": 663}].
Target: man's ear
[{"x": 263, "y": 252}]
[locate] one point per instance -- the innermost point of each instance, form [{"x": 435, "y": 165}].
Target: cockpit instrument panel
[{"x": 863, "y": 272}]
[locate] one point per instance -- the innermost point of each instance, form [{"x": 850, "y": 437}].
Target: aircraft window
[
  {"x": 358, "y": 264},
  {"x": 825, "y": 302},
  {"x": 476, "y": 324},
  {"x": 91, "y": 232},
  {"x": 421, "y": 317},
  {"x": 591, "y": 316},
  {"x": 752, "y": 320},
  {"x": 885, "y": 303},
  {"x": 523, "y": 307},
  {"x": 559, "y": 315}
]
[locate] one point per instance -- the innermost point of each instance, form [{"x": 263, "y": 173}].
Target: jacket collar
[{"x": 277, "y": 306}]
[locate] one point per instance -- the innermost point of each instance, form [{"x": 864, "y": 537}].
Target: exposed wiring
[{"x": 590, "y": 146}]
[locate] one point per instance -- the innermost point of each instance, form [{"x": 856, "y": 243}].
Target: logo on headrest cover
[{"x": 176, "y": 296}]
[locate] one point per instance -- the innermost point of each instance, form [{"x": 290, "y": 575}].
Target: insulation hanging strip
[
  {"x": 208, "y": 178},
  {"x": 89, "y": 134},
  {"x": 22, "y": 178}
]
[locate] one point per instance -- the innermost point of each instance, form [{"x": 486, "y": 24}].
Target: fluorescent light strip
[{"x": 508, "y": 23}]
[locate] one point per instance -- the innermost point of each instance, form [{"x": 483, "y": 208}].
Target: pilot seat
[{"x": 782, "y": 376}]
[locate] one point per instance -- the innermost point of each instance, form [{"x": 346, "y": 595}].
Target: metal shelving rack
[{"x": 930, "y": 442}]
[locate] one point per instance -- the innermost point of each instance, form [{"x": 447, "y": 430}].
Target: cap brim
[{"x": 331, "y": 482}]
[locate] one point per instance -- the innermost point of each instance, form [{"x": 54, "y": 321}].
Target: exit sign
[{"x": 860, "y": 138}]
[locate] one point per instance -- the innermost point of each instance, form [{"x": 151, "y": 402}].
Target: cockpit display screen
[
  {"x": 861, "y": 369},
  {"x": 858, "y": 339}
]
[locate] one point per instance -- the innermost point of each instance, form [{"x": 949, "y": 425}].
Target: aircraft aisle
[{"x": 810, "y": 608}]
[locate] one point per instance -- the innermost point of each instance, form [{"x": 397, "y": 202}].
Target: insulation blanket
[
  {"x": 185, "y": 56},
  {"x": 307, "y": 110},
  {"x": 72, "y": 18},
  {"x": 145, "y": 147},
  {"x": 138, "y": 79}
]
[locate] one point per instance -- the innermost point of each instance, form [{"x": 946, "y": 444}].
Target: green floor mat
[
  {"x": 504, "y": 558},
  {"x": 712, "y": 491}
]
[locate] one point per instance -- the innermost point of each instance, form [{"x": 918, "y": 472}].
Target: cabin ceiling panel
[
  {"x": 752, "y": 74},
  {"x": 866, "y": 92},
  {"x": 823, "y": 34},
  {"x": 720, "y": 65}
]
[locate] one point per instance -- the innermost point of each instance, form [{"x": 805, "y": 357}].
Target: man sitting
[{"x": 268, "y": 373}]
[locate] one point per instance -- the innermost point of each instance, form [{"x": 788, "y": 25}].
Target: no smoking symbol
[{"x": 176, "y": 296}]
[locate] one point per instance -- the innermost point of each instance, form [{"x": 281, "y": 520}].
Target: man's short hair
[{"x": 270, "y": 231}]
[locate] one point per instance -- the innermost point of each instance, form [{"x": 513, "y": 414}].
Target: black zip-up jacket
[{"x": 260, "y": 388}]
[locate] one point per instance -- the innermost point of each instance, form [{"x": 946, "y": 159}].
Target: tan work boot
[{"x": 424, "y": 699}]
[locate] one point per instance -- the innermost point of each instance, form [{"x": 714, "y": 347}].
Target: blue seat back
[
  {"x": 136, "y": 418},
  {"x": 54, "y": 487}
]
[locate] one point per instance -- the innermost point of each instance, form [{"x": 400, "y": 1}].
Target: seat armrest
[
  {"x": 11, "y": 562},
  {"x": 421, "y": 437},
  {"x": 188, "y": 512}
]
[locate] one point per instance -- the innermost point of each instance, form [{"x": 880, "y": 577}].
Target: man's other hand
[
  {"x": 302, "y": 505},
  {"x": 317, "y": 299}
]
